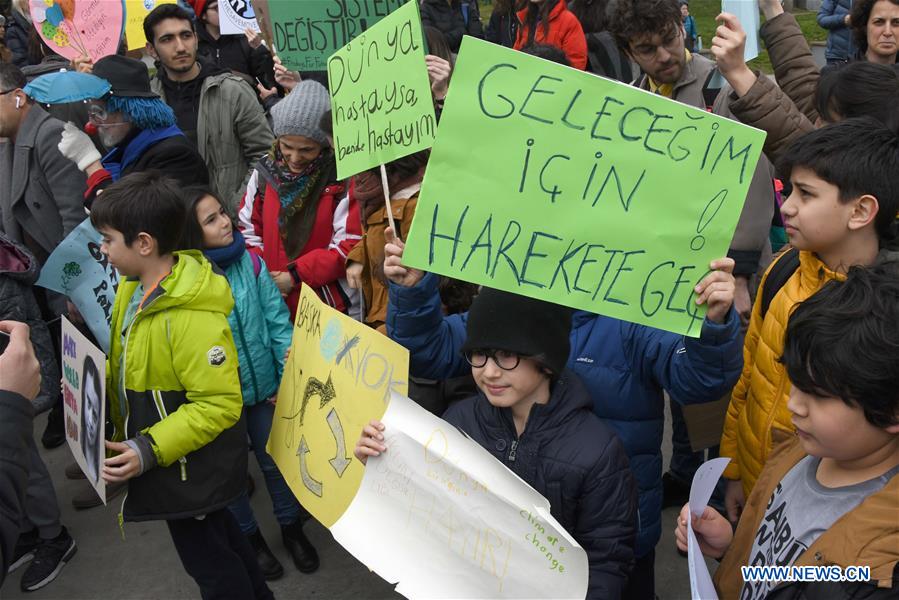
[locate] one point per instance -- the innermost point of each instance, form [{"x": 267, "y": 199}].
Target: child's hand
[
  {"x": 122, "y": 466},
  {"x": 728, "y": 46},
  {"x": 717, "y": 289},
  {"x": 734, "y": 499},
  {"x": 371, "y": 443},
  {"x": 354, "y": 275},
  {"x": 266, "y": 93},
  {"x": 713, "y": 532},
  {"x": 393, "y": 262},
  {"x": 83, "y": 64}
]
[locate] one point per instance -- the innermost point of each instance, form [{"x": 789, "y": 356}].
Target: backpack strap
[
  {"x": 257, "y": 264},
  {"x": 711, "y": 89},
  {"x": 783, "y": 268}
]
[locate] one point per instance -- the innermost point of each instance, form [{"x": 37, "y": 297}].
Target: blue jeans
[{"x": 286, "y": 508}]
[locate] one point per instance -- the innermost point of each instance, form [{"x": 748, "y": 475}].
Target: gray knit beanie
[{"x": 301, "y": 111}]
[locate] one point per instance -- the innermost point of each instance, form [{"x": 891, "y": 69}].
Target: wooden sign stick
[{"x": 387, "y": 201}]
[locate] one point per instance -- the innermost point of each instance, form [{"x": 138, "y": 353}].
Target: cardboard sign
[
  {"x": 135, "y": 13},
  {"x": 80, "y": 271},
  {"x": 84, "y": 395},
  {"x": 339, "y": 376},
  {"x": 440, "y": 516},
  {"x": 73, "y": 28},
  {"x": 553, "y": 183},
  {"x": 236, "y": 16},
  {"x": 381, "y": 105},
  {"x": 306, "y": 32}
]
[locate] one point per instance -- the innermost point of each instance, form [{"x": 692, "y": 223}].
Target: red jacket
[
  {"x": 565, "y": 32},
  {"x": 322, "y": 262}
]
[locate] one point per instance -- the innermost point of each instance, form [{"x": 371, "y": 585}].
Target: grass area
[{"x": 705, "y": 11}]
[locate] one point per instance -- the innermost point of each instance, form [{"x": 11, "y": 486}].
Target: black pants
[
  {"x": 642, "y": 584},
  {"x": 219, "y": 557}
]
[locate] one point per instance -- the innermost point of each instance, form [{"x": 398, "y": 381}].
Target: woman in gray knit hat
[{"x": 295, "y": 214}]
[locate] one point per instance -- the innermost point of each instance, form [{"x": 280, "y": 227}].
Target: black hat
[
  {"x": 127, "y": 76},
  {"x": 501, "y": 320}
]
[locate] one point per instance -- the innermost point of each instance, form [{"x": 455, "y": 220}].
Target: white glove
[{"x": 78, "y": 147}]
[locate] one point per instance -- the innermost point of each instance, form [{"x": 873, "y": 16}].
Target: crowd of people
[{"x": 209, "y": 171}]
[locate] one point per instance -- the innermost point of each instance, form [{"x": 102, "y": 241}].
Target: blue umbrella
[{"x": 67, "y": 86}]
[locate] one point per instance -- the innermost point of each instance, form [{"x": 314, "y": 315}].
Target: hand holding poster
[
  {"x": 579, "y": 190},
  {"x": 443, "y": 518},
  {"x": 339, "y": 376},
  {"x": 381, "y": 102},
  {"x": 80, "y": 271},
  {"x": 74, "y": 28},
  {"x": 84, "y": 394}
]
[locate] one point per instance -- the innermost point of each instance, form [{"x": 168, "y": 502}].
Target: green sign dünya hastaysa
[
  {"x": 381, "y": 106},
  {"x": 553, "y": 183},
  {"x": 306, "y": 32}
]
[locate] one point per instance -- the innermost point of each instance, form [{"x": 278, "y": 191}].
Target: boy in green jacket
[{"x": 173, "y": 387}]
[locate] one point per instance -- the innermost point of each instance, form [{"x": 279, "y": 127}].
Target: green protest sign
[
  {"x": 381, "y": 105},
  {"x": 306, "y": 32},
  {"x": 553, "y": 183}
]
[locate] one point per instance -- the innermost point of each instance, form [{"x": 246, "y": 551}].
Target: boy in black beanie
[{"x": 536, "y": 417}]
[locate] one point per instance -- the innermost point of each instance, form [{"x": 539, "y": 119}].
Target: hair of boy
[
  {"x": 160, "y": 14},
  {"x": 859, "y": 89},
  {"x": 547, "y": 52},
  {"x": 11, "y": 77},
  {"x": 192, "y": 238},
  {"x": 630, "y": 19},
  {"x": 843, "y": 342},
  {"x": 859, "y": 156},
  {"x": 858, "y": 22},
  {"x": 147, "y": 202},
  {"x": 407, "y": 166}
]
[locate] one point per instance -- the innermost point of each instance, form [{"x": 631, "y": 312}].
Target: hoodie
[
  {"x": 184, "y": 96},
  {"x": 173, "y": 388}
]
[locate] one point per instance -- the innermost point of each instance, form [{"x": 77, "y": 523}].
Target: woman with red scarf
[{"x": 295, "y": 214}]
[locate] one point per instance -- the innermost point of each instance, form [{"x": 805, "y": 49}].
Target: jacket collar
[{"x": 27, "y": 134}]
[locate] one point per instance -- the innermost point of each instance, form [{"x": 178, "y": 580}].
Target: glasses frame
[{"x": 490, "y": 354}]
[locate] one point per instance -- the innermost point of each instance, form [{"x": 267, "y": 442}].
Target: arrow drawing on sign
[
  {"x": 311, "y": 484},
  {"x": 314, "y": 387},
  {"x": 341, "y": 461}
]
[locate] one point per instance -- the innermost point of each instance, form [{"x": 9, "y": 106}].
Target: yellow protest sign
[
  {"x": 339, "y": 376},
  {"x": 135, "y": 12}
]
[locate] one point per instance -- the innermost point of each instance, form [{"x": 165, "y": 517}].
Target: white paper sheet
[
  {"x": 442, "y": 518},
  {"x": 704, "y": 482},
  {"x": 748, "y": 13}
]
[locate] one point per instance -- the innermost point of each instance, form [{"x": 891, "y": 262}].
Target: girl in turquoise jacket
[{"x": 260, "y": 324}]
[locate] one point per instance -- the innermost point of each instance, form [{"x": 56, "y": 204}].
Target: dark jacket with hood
[
  {"x": 577, "y": 463},
  {"x": 233, "y": 52},
  {"x": 18, "y": 272},
  {"x": 17, "y": 29},
  {"x": 453, "y": 19},
  {"x": 502, "y": 29}
]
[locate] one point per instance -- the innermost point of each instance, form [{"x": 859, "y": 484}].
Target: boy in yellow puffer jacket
[
  {"x": 173, "y": 387},
  {"x": 841, "y": 213}
]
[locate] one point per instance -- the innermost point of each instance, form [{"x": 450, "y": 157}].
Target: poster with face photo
[{"x": 84, "y": 393}]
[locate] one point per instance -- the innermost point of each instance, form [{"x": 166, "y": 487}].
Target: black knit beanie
[{"x": 501, "y": 320}]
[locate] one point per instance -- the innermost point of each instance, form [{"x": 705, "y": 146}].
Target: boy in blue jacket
[
  {"x": 535, "y": 417},
  {"x": 624, "y": 366}
]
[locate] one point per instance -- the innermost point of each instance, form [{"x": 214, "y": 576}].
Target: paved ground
[{"x": 144, "y": 565}]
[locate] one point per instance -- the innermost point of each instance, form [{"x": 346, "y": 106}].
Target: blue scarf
[
  {"x": 230, "y": 254},
  {"x": 135, "y": 149}
]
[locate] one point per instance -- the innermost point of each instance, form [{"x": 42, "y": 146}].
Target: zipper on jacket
[
  {"x": 246, "y": 349},
  {"x": 163, "y": 413},
  {"x": 512, "y": 450}
]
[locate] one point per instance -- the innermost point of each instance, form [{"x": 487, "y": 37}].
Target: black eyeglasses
[
  {"x": 8, "y": 91},
  {"x": 507, "y": 361}
]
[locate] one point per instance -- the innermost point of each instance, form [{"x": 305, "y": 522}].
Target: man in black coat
[
  {"x": 454, "y": 18},
  {"x": 138, "y": 128}
]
